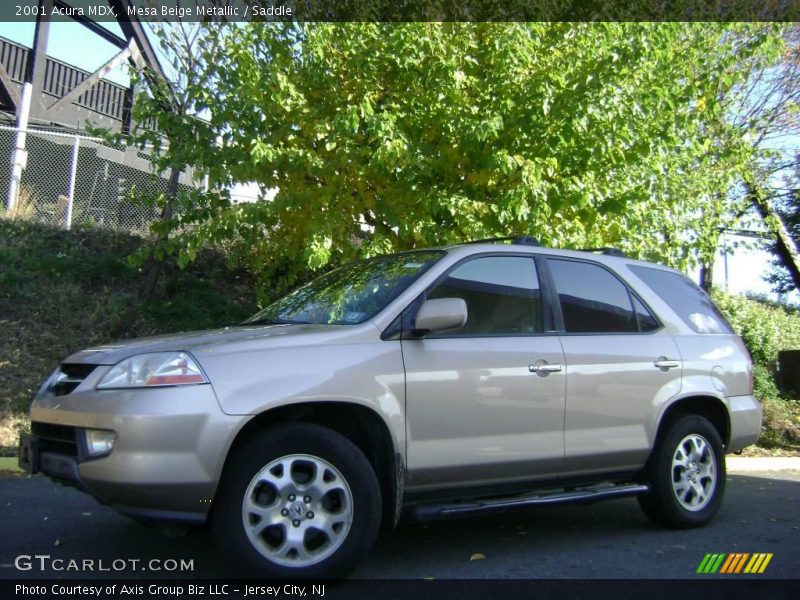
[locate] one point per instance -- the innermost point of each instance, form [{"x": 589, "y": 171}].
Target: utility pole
[{"x": 34, "y": 78}]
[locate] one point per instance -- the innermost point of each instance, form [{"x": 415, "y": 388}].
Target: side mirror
[{"x": 441, "y": 314}]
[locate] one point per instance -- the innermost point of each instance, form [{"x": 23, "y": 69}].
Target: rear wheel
[
  {"x": 686, "y": 473},
  {"x": 300, "y": 501}
]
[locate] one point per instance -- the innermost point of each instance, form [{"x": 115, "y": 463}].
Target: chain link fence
[{"x": 77, "y": 180}]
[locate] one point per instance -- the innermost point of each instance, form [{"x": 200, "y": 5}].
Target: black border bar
[
  {"x": 731, "y": 588},
  {"x": 412, "y": 10}
]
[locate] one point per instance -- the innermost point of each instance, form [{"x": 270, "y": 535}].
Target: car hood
[{"x": 206, "y": 341}]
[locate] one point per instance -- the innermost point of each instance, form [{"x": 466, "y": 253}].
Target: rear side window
[
  {"x": 592, "y": 300},
  {"x": 688, "y": 301}
]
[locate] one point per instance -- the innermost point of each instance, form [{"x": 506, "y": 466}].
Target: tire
[
  {"x": 686, "y": 473},
  {"x": 299, "y": 501}
]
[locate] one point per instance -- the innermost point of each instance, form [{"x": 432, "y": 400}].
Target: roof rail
[
  {"x": 607, "y": 251},
  {"x": 524, "y": 240}
]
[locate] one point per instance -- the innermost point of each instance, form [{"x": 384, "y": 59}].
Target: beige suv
[{"x": 434, "y": 383}]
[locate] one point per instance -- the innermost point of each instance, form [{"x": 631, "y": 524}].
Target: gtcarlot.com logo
[
  {"x": 735, "y": 562},
  {"x": 44, "y": 562}
]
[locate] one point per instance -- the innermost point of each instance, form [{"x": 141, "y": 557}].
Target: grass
[
  {"x": 9, "y": 463},
  {"x": 63, "y": 291}
]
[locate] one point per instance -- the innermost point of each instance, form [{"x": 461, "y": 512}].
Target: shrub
[
  {"x": 764, "y": 327},
  {"x": 767, "y": 328}
]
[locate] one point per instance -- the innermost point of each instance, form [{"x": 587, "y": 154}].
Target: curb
[{"x": 747, "y": 464}]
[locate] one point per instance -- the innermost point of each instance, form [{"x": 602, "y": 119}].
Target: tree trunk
[
  {"x": 785, "y": 246},
  {"x": 155, "y": 267},
  {"x": 707, "y": 276}
]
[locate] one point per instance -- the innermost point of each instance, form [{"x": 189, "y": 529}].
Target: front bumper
[
  {"x": 745, "y": 421},
  {"x": 56, "y": 465},
  {"x": 168, "y": 457}
]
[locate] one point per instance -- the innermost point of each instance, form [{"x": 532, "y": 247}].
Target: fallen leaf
[
  {"x": 87, "y": 514},
  {"x": 477, "y": 556},
  {"x": 57, "y": 542},
  {"x": 659, "y": 552}
]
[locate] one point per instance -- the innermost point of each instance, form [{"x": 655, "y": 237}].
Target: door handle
[
  {"x": 664, "y": 363},
  {"x": 545, "y": 368}
]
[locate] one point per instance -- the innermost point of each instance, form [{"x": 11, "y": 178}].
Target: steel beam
[
  {"x": 133, "y": 30},
  {"x": 93, "y": 26},
  {"x": 129, "y": 51},
  {"x": 8, "y": 87}
]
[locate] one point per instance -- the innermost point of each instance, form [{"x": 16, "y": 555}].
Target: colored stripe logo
[{"x": 735, "y": 562}]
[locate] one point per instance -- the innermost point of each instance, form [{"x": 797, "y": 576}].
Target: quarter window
[
  {"x": 681, "y": 294},
  {"x": 501, "y": 292},
  {"x": 592, "y": 300}
]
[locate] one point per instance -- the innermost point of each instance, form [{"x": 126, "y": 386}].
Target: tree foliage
[
  {"x": 167, "y": 128},
  {"x": 392, "y": 136},
  {"x": 765, "y": 111}
]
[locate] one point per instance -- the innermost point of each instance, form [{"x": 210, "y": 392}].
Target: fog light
[{"x": 100, "y": 441}]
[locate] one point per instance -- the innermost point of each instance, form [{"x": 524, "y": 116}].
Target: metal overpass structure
[{"x": 36, "y": 87}]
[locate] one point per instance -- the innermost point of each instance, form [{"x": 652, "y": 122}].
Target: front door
[{"x": 486, "y": 403}]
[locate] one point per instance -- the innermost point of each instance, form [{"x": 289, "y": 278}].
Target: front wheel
[
  {"x": 686, "y": 473},
  {"x": 300, "y": 501}
]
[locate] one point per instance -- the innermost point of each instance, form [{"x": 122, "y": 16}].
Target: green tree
[
  {"x": 167, "y": 125},
  {"x": 764, "y": 111},
  {"x": 776, "y": 128},
  {"x": 391, "y": 136}
]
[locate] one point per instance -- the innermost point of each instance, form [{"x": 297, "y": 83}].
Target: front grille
[
  {"x": 69, "y": 377},
  {"x": 58, "y": 439}
]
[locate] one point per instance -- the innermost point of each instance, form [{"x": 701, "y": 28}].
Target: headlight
[{"x": 151, "y": 370}]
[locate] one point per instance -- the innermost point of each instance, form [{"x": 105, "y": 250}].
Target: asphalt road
[{"x": 609, "y": 539}]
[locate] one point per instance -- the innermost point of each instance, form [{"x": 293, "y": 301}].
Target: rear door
[
  {"x": 486, "y": 403},
  {"x": 620, "y": 364}
]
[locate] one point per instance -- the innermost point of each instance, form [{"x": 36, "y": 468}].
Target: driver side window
[{"x": 501, "y": 292}]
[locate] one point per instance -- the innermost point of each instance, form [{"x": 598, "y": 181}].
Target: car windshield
[{"x": 351, "y": 294}]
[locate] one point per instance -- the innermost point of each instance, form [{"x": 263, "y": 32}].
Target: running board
[{"x": 442, "y": 511}]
